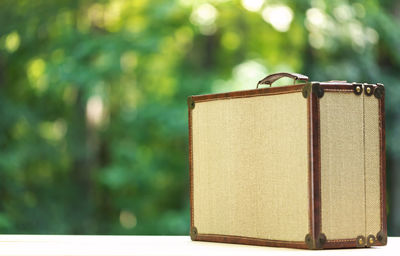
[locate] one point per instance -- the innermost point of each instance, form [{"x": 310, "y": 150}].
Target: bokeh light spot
[
  {"x": 230, "y": 41},
  {"x": 316, "y": 40},
  {"x": 316, "y": 17},
  {"x": 372, "y": 35},
  {"x": 35, "y": 72},
  {"x": 279, "y": 16},
  {"x": 204, "y": 17},
  {"x": 128, "y": 61},
  {"x": 12, "y": 42},
  {"x": 127, "y": 219},
  {"x": 53, "y": 131},
  {"x": 95, "y": 110},
  {"x": 252, "y": 5}
]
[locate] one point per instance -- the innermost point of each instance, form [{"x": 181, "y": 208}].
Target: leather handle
[{"x": 273, "y": 77}]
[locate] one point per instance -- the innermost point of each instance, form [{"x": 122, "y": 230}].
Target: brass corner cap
[
  {"x": 381, "y": 237},
  {"x": 306, "y": 90},
  {"x": 321, "y": 240},
  {"x": 317, "y": 244},
  {"x": 309, "y": 241},
  {"x": 379, "y": 91},
  {"x": 193, "y": 233},
  {"x": 190, "y": 102},
  {"x": 313, "y": 87},
  {"x": 317, "y": 90}
]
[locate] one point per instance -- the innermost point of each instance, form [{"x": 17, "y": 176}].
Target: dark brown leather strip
[
  {"x": 249, "y": 241},
  {"x": 315, "y": 167},
  {"x": 249, "y": 93},
  {"x": 190, "y": 165},
  {"x": 310, "y": 164},
  {"x": 341, "y": 243},
  {"x": 383, "y": 165},
  {"x": 345, "y": 243},
  {"x": 336, "y": 86}
]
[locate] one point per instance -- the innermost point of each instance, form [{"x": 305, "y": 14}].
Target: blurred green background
[{"x": 93, "y": 115}]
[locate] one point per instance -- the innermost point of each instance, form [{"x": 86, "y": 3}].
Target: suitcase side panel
[
  {"x": 374, "y": 175},
  {"x": 342, "y": 165},
  {"x": 372, "y": 140}
]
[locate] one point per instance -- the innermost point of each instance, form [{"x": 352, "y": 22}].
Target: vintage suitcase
[{"x": 299, "y": 166}]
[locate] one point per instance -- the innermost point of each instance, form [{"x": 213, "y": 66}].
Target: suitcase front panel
[{"x": 250, "y": 167}]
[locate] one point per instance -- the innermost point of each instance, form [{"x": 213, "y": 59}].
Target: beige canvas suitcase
[{"x": 299, "y": 166}]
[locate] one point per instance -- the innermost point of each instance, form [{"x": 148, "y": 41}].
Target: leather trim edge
[
  {"x": 250, "y": 241},
  {"x": 383, "y": 169},
  {"x": 315, "y": 167},
  {"x": 341, "y": 243},
  {"x": 249, "y": 93},
  {"x": 190, "y": 100}
]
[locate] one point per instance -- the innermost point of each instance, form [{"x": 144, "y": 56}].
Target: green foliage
[{"x": 93, "y": 117}]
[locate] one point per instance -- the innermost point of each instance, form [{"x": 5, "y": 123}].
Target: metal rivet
[
  {"x": 370, "y": 240},
  {"x": 369, "y": 90},
  {"x": 357, "y": 88},
  {"x": 360, "y": 241}
]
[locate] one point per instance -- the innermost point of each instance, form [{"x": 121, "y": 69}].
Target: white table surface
[{"x": 44, "y": 245}]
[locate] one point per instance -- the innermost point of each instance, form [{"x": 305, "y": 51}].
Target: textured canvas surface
[
  {"x": 372, "y": 166},
  {"x": 350, "y": 153},
  {"x": 250, "y": 167},
  {"x": 342, "y": 165}
]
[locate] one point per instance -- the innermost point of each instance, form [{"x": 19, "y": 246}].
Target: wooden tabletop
[{"x": 44, "y": 245}]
